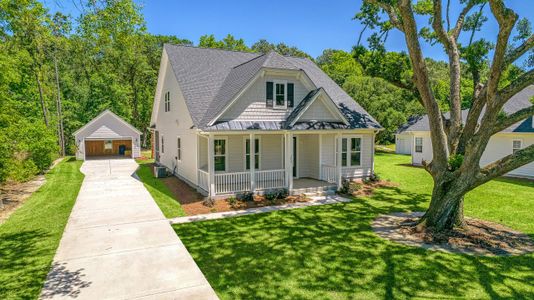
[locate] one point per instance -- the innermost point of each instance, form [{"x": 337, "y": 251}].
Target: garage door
[{"x": 108, "y": 148}]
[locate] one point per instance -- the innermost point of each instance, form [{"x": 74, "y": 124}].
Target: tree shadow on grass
[
  {"x": 24, "y": 263},
  {"x": 331, "y": 252}
]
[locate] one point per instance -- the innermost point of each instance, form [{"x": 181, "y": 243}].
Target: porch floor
[{"x": 304, "y": 183}]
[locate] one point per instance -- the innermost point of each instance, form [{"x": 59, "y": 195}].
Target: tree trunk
[
  {"x": 61, "y": 134},
  {"x": 446, "y": 207},
  {"x": 41, "y": 96}
]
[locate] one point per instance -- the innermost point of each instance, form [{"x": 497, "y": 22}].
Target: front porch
[{"x": 300, "y": 162}]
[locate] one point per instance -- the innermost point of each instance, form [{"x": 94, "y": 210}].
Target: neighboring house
[
  {"x": 517, "y": 136},
  {"x": 107, "y": 135},
  {"x": 211, "y": 103}
]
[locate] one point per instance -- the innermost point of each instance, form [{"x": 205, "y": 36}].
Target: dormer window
[
  {"x": 167, "y": 101},
  {"x": 279, "y": 94}
]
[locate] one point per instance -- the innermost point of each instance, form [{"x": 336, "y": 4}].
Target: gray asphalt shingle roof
[
  {"x": 519, "y": 101},
  {"x": 211, "y": 78}
]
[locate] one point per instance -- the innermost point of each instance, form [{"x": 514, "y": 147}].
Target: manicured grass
[
  {"x": 30, "y": 237},
  {"x": 159, "y": 191},
  {"x": 330, "y": 252}
]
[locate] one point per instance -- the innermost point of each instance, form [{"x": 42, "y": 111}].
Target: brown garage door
[{"x": 107, "y": 147}]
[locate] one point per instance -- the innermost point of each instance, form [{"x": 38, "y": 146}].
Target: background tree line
[{"x": 59, "y": 72}]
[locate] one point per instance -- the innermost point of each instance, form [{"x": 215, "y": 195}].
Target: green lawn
[
  {"x": 30, "y": 237},
  {"x": 330, "y": 251},
  {"x": 159, "y": 191}
]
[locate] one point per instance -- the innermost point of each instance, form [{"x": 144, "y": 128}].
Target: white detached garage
[{"x": 107, "y": 135}]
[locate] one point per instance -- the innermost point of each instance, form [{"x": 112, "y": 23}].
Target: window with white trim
[
  {"x": 167, "y": 101},
  {"x": 219, "y": 155},
  {"x": 179, "y": 149},
  {"x": 108, "y": 145},
  {"x": 162, "y": 144},
  {"x": 355, "y": 151},
  {"x": 351, "y": 152},
  {"x": 419, "y": 145},
  {"x": 256, "y": 154},
  {"x": 516, "y": 145},
  {"x": 280, "y": 95}
]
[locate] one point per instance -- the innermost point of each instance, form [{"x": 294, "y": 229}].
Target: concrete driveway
[{"x": 118, "y": 245}]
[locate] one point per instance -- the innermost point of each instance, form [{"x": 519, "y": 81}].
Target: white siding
[
  {"x": 176, "y": 122},
  {"x": 308, "y": 155},
  {"x": 403, "y": 143},
  {"x": 319, "y": 111},
  {"x": 114, "y": 129},
  {"x": 251, "y": 104},
  {"x": 417, "y": 158},
  {"x": 499, "y": 146},
  {"x": 272, "y": 152},
  {"x": 328, "y": 150},
  {"x": 366, "y": 167}
]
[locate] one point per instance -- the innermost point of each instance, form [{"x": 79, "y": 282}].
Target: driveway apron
[{"x": 118, "y": 245}]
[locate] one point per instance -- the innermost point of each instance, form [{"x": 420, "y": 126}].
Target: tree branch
[
  {"x": 451, "y": 47},
  {"x": 505, "y": 165},
  {"x": 506, "y": 19},
  {"x": 422, "y": 81},
  {"x": 513, "y": 118},
  {"x": 393, "y": 16},
  {"x": 461, "y": 18},
  {"x": 517, "y": 52},
  {"x": 515, "y": 87}
]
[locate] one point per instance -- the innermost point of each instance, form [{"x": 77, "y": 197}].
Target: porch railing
[
  {"x": 203, "y": 180},
  {"x": 232, "y": 182},
  {"x": 270, "y": 179},
  {"x": 329, "y": 173}
]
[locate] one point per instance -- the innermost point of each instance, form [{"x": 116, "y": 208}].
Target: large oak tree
[{"x": 457, "y": 147}]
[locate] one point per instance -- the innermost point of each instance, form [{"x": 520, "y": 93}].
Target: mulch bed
[
  {"x": 193, "y": 203},
  {"x": 360, "y": 188},
  {"x": 478, "y": 237}
]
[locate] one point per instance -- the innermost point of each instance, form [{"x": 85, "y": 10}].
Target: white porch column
[
  {"x": 338, "y": 160},
  {"x": 320, "y": 156},
  {"x": 211, "y": 164},
  {"x": 252, "y": 144},
  {"x": 288, "y": 162}
]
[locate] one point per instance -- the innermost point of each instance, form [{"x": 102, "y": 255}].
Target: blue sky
[{"x": 311, "y": 25}]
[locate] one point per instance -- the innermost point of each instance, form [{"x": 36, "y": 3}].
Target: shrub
[
  {"x": 277, "y": 194},
  {"x": 372, "y": 178},
  {"x": 245, "y": 196},
  {"x": 209, "y": 202},
  {"x": 345, "y": 187},
  {"x": 232, "y": 201}
]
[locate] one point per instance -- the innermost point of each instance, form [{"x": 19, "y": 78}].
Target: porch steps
[{"x": 315, "y": 191}]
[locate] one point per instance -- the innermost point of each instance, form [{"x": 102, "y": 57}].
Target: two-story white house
[{"x": 229, "y": 122}]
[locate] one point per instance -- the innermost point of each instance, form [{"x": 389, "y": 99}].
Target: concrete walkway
[
  {"x": 319, "y": 200},
  {"x": 118, "y": 245}
]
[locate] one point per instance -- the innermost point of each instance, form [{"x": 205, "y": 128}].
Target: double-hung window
[
  {"x": 280, "y": 94},
  {"x": 219, "y": 155},
  {"x": 179, "y": 149},
  {"x": 419, "y": 145},
  {"x": 351, "y": 152},
  {"x": 256, "y": 154},
  {"x": 167, "y": 101},
  {"x": 516, "y": 145}
]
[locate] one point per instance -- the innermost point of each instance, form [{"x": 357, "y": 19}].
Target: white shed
[{"x": 107, "y": 135}]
